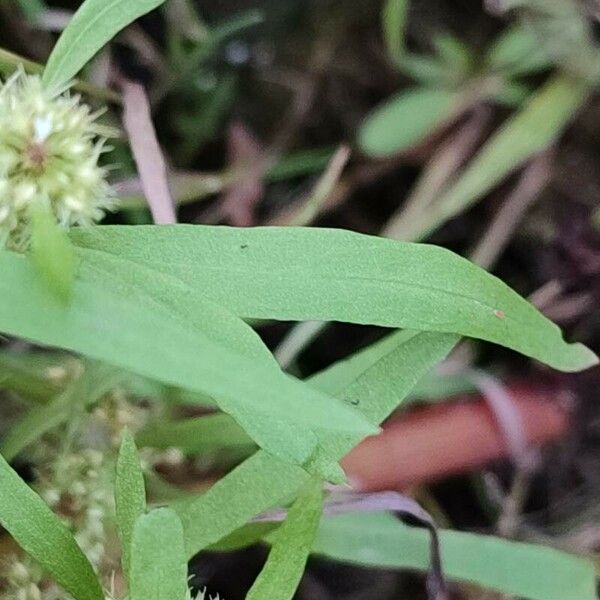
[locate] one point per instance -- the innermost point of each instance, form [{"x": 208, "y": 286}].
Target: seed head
[{"x": 50, "y": 145}]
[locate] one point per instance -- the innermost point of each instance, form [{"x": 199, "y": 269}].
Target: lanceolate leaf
[
  {"x": 521, "y": 570},
  {"x": 130, "y": 495},
  {"x": 158, "y": 565},
  {"x": 94, "y": 25},
  {"x": 177, "y": 337},
  {"x": 320, "y": 274},
  {"x": 262, "y": 482},
  {"x": 291, "y": 546},
  {"x": 44, "y": 537},
  {"x": 406, "y": 119}
]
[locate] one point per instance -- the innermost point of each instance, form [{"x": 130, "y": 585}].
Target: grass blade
[{"x": 531, "y": 130}]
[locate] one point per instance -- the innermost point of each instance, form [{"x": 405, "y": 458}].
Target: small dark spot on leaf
[
  {"x": 499, "y": 313},
  {"x": 243, "y": 246}
]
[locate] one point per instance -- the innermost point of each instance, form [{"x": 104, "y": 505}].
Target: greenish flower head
[{"x": 50, "y": 145}]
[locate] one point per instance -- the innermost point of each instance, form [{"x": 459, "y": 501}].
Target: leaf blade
[
  {"x": 105, "y": 321},
  {"x": 42, "y": 535},
  {"x": 405, "y": 119},
  {"x": 130, "y": 496},
  {"x": 523, "y": 570},
  {"x": 291, "y": 547},
  {"x": 92, "y": 26},
  {"x": 266, "y": 481},
  {"x": 280, "y": 273},
  {"x": 52, "y": 253},
  {"x": 158, "y": 564}
]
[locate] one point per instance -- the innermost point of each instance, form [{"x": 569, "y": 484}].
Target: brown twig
[{"x": 137, "y": 120}]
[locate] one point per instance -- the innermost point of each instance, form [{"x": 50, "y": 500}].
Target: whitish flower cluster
[{"x": 50, "y": 145}]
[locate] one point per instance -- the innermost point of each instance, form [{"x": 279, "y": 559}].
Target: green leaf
[
  {"x": 321, "y": 274},
  {"x": 457, "y": 57},
  {"x": 292, "y": 543},
  {"x": 30, "y": 375},
  {"x": 96, "y": 381},
  {"x": 512, "y": 568},
  {"x": 94, "y": 24},
  {"x": 52, "y": 253},
  {"x": 518, "y": 52},
  {"x": 393, "y": 20},
  {"x": 198, "y": 435},
  {"x": 405, "y": 120},
  {"x": 130, "y": 496},
  {"x": 539, "y": 123},
  {"x": 158, "y": 564},
  {"x": 44, "y": 537},
  {"x": 262, "y": 481},
  {"x": 156, "y": 326}
]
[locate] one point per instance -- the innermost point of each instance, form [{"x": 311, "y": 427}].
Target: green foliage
[
  {"x": 118, "y": 321},
  {"x": 262, "y": 481},
  {"x": 97, "y": 379},
  {"x": 512, "y": 568},
  {"x": 52, "y": 253},
  {"x": 42, "y": 535},
  {"x": 130, "y": 496},
  {"x": 292, "y": 544},
  {"x": 197, "y": 435},
  {"x": 518, "y": 52},
  {"x": 405, "y": 120},
  {"x": 94, "y": 25},
  {"x": 294, "y": 274},
  {"x": 393, "y": 19},
  {"x": 529, "y": 131},
  {"x": 169, "y": 303},
  {"x": 158, "y": 565}
]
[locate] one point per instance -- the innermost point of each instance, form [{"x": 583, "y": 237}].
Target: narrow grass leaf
[
  {"x": 130, "y": 496},
  {"x": 310, "y": 274},
  {"x": 405, "y": 120},
  {"x": 44, "y": 537},
  {"x": 52, "y": 253},
  {"x": 93, "y": 25},
  {"x": 291, "y": 547},
  {"x": 540, "y": 122},
  {"x": 158, "y": 565},
  {"x": 522, "y": 570}
]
